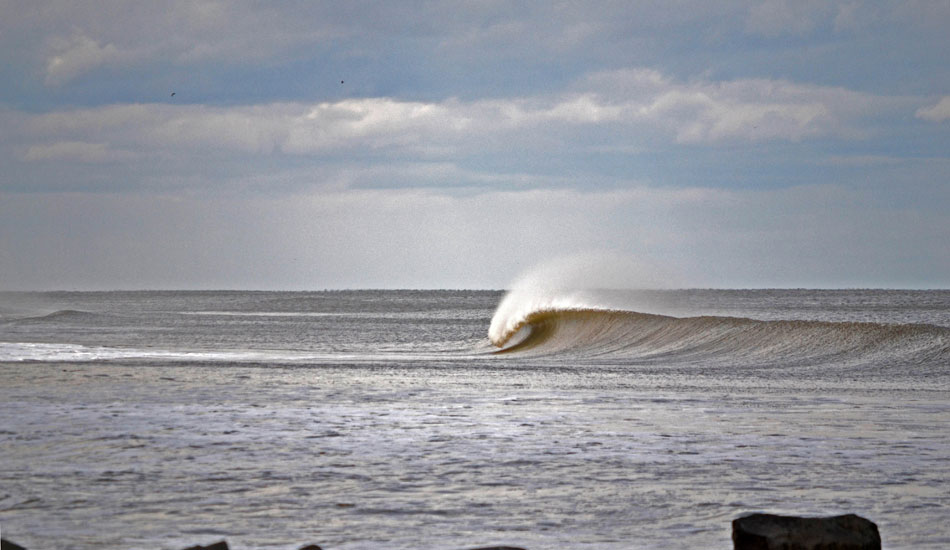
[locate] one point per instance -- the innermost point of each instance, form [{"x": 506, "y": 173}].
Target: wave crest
[
  {"x": 645, "y": 337},
  {"x": 576, "y": 283}
]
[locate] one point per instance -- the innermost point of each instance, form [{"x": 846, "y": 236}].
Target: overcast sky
[{"x": 311, "y": 145}]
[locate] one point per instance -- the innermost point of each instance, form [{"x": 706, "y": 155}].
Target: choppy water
[{"x": 385, "y": 419}]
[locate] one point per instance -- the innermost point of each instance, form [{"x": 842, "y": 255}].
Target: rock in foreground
[
  {"x": 221, "y": 545},
  {"x": 771, "y": 532}
]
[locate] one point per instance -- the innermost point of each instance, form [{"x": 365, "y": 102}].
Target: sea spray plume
[{"x": 576, "y": 282}]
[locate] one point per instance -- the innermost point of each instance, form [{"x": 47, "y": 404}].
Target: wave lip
[{"x": 645, "y": 337}]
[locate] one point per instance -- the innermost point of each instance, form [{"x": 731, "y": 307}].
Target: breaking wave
[
  {"x": 644, "y": 336},
  {"x": 577, "y": 307}
]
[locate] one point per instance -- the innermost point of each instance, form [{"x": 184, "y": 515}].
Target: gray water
[{"x": 383, "y": 419}]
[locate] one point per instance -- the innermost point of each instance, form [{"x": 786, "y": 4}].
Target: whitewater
[{"x": 547, "y": 416}]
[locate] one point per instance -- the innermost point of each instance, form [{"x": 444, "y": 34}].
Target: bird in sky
[{"x": 173, "y": 94}]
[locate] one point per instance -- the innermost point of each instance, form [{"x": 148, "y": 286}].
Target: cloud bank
[{"x": 627, "y": 102}]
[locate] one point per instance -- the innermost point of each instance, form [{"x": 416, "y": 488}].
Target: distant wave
[
  {"x": 75, "y": 353},
  {"x": 616, "y": 333},
  {"x": 60, "y": 315}
]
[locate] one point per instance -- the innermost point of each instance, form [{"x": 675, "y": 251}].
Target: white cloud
[
  {"x": 936, "y": 113},
  {"x": 77, "y": 56},
  {"x": 373, "y": 122},
  {"x": 614, "y": 104},
  {"x": 704, "y": 111},
  {"x": 706, "y": 116}
]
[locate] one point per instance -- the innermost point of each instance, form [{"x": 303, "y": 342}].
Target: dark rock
[
  {"x": 310, "y": 547},
  {"x": 7, "y": 545},
  {"x": 771, "y": 532},
  {"x": 220, "y": 545}
]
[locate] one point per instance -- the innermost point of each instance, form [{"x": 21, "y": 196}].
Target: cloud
[
  {"x": 616, "y": 104},
  {"x": 244, "y": 51},
  {"x": 937, "y": 113},
  {"x": 78, "y": 39},
  {"x": 707, "y": 116},
  {"x": 77, "y": 151},
  {"x": 77, "y": 56}
]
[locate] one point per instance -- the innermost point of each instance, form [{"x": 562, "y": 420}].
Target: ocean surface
[{"x": 455, "y": 419}]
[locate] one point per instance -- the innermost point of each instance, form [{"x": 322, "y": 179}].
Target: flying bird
[{"x": 173, "y": 94}]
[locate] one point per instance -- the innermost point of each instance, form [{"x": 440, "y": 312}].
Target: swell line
[{"x": 648, "y": 336}]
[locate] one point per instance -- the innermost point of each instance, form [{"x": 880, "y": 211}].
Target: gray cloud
[
  {"x": 79, "y": 38},
  {"x": 440, "y": 42}
]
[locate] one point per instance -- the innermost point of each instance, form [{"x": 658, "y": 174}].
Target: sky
[{"x": 428, "y": 144}]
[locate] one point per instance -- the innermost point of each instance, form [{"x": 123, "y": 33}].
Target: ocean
[{"x": 369, "y": 419}]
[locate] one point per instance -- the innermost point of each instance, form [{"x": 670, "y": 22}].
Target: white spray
[{"x": 578, "y": 281}]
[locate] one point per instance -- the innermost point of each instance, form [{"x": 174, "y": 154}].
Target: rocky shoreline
[{"x": 750, "y": 532}]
